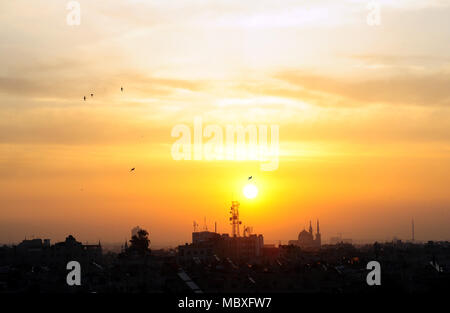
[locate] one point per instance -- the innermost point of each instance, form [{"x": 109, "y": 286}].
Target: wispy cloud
[{"x": 429, "y": 90}]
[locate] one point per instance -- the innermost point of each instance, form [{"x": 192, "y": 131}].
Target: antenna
[
  {"x": 234, "y": 219},
  {"x": 412, "y": 229},
  {"x": 195, "y": 227},
  {"x": 205, "y": 227}
]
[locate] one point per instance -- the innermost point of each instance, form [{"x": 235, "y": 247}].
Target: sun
[{"x": 250, "y": 191}]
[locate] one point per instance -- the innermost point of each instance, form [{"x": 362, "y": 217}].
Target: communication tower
[{"x": 234, "y": 219}]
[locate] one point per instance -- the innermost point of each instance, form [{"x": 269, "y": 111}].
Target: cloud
[
  {"x": 428, "y": 90},
  {"x": 70, "y": 86},
  {"x": 395, "y": 59},
  {"x": 375, "y": 127},
  {"x": 79, "y": 126}
]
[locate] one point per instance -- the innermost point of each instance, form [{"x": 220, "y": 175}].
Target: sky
[{"x": 363, "y": 113}]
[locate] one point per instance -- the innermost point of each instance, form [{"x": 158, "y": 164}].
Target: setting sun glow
[
  {"x": 338, "y": 119},
  {"x": 250, "y": 191}
]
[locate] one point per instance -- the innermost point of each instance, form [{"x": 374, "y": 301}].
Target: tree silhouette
[{"x": 140, "y": 242}]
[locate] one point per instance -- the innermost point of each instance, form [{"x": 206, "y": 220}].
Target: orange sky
[{"x": 363, "y": 114}]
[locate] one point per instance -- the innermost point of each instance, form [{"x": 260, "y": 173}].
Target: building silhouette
[
  {"x": 306, "y": 239},
  {"x": 41, "y": 252},
  {"x": 209, "y": 245}
]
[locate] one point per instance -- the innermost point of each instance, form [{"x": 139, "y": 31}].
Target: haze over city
[{"x": 363, "y": 115}]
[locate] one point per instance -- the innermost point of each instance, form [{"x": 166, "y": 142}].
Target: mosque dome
[{"x": 305, "y": 237}]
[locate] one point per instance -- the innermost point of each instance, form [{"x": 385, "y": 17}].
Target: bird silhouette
[
  {"x": 250, "y": 177},
  {"x": 121, "y": 89},
  {"x": 92, "y": 94},
  {"x": 132, "y": 169},
  {"x": 84, "y": 98}
]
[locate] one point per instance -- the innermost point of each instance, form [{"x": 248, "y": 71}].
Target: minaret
[
  {"x": 318, "y": 236},
  {"x": 310, "y": 228}
]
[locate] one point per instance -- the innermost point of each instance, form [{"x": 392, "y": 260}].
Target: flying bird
[
  {"x": 121, "y": 89},
  {"x": 92, "y": 94},
  {"x": 250, "y": 177},
  {"x": 132, "y": 169},
  {"x": 84, "y": 98}
]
